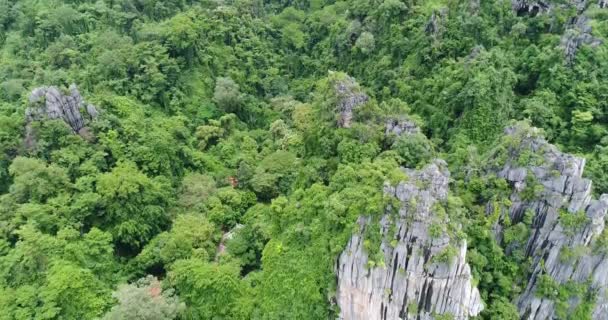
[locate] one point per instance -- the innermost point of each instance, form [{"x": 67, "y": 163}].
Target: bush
[{"x": 145, "y": 300}]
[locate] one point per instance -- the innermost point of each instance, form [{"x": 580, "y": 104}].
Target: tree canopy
[{"x": 216, "y": 182}]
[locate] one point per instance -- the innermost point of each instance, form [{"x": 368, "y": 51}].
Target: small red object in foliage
[
  {"x": 233, "y": 181},
  {"x": 155, "y": 290}
]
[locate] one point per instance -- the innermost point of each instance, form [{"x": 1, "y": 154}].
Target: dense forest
[{"x": 211, "y": 159}]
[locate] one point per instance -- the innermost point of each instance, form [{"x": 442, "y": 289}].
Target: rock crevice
[
  {"x": 51, "y": 103},
  {"x": 563, "y": 194},
  {"x": 421, "y": 275}
]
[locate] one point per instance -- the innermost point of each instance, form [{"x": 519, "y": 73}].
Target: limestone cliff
[
  {"x": 423, "y": 272},
  {"x": 398, "y": 126},
  {"x": 349, "y": 96},
  {"x": 52, "y": 103},
  {"x": 548, "y": 184},
  {"x": 578, "y": 29}
]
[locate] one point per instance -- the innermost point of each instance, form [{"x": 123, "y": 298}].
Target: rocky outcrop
[
  {"x": 566, "y": 222},
  {"x": 578, "y": 29},
  {"x": 400, "y": 126},
  {"x": 52, "y": 103},
  {"x": 350, "y": 96},
  {"x": 577, "y": 35},
  {"x": 422, "y": 271},
  {"x": 526, "y": 7},
  {"x": 534, "y": 7},
  {"x": 436, "y": 22}
]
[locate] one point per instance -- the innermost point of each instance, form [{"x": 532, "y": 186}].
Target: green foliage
[
  {"x": 190, "y": 236},
  {"x": 563, "y": 294},
  {"x": 501, "y": 308},
  {"x": 35, "y": 181},
  {"x": 134, "y": 205},
  {"x": 216, "y": 161},
  {"x": 145, "y": 300},
  {"x": 208, "y": 290},
  {"x": 415, "y": 150},
  {"x": 572, "y": 221},
  {"x": 196, "y": 190},
  {"x": 274, "y": 174},
  {"x": 227, "y": 95},
  {"x": 567, "y": 254},
  {"x": 72, "y": 293},
  {"x": 532, "y": 190},
  {"x": 446, "y": 255}
]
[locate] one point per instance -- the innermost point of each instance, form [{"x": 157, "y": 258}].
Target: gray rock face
[
  {"x": 413, "y": 282},
  {"x": 350, "y": 97},
  {"x": 434, "y": 26},
  {"x": 400, "y": 126},
  {"x": 526, "y": 7},
  {"x": 578, "y": 31},
  {"x": 534, "y": 7},
  {"x": 51, "y": 103},
  {"x": 564, "y": 192},
  {"x": 577, "y": 35}
]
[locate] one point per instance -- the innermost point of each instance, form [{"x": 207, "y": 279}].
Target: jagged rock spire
[
  {"x": 564, "y": 193},
  {"x": 414, "y": 282},
  {"x": 52, "y": 103}
]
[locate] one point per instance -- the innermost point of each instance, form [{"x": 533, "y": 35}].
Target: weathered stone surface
[
  {"x": 577, "y": 35},
  {"x": 578, "y": 30},
  {"x": 400, "y": 126},
  {"x": 350, "y": 97},
  {"x": 523, "y": 7},
  {"x": 413, "y": 283},
  {"x": 436, "y": 22},
  {"x": 564, "y": 189},
  {"x": 534, "y": 7},
  {"x": 51, "y": 103}
]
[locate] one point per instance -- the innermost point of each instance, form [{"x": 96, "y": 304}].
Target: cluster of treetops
[{"x": 217, "y": 184}]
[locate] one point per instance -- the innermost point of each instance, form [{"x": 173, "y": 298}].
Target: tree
[
  {"x": 191, "y": 236},
  {"x": 209, "y": 290},
  {"x": 274, "y": 174},
  {"x": 415, "y": 150},
  {"x": 36, "y": 181},
  {"x": 145, "y": 300},
  {"x": 227, "y": 95},
  {"x": 182, "y": 34},
  {"x": 196, "y": 190},
  {"x": 365, "y": 42},
  {"x": 133, "y": 205},
  {"x": 71, "y": 292}
]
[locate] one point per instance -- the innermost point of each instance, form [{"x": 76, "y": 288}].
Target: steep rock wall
[
  {"x": 562, "y": 194},
  {"x": 52, "y": 103},
  {"x": 417, "y": 279}
]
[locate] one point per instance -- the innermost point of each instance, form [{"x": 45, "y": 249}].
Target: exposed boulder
[
  {"x": 52, "y": 103},
  {"x": 577, "y": 35},
  {"x": 566, "y": 222},
  {"x": 526, "y": 7},
  {"x": 423, "y": 272},
  {"x": 227, "y": 236},
  {"x": 400, "y": 126},
  {"x": 578, "y": 29},
  {"x": 535, "y": 7},
  {"x": 436, "y": 22},
  {"x": 350, "y": 96}
]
